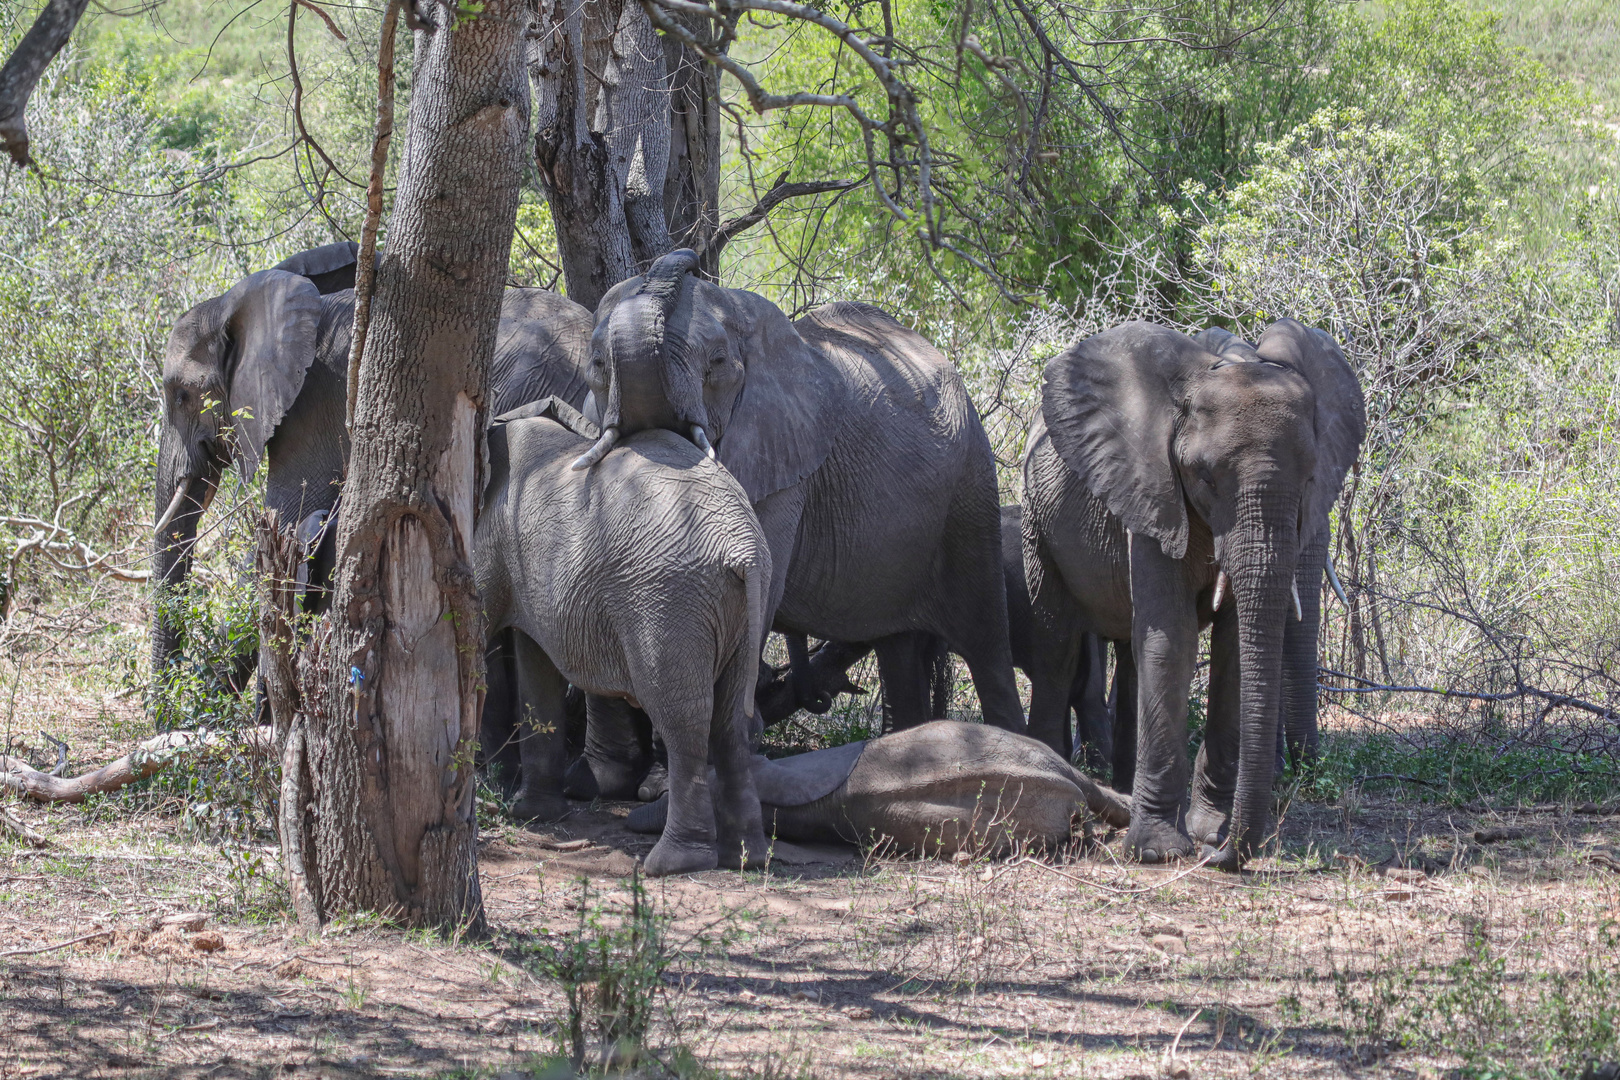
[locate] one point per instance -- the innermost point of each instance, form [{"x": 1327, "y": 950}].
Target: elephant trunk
[
  {"x": 181, "y": 496},
  {"x": 652, "y": 381},
  {"x": 1300, "y": 654},
  {"x": 1260, "y": 556}
]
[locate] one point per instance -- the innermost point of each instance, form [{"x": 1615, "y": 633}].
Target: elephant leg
[
  {"x": 1052, "y": 674},
  {"x": 1088, "y": 697},
  {"x": 974, "y": 606},
  {"x": 739, "y": 828},
  {"x": 1299, "y": 661},
  {"x": 941, "y": 678},
  {"x": 688, "y": 841},
  {"x": 1215, "y": 775},
  {"x": 618, "y": 750},
  {"x": 904, "y": 668},
  {"x": 497, "y": 737},
  {"x": 1164, "y": 640},
  {"x": 1055, "y": 640},
  {"x": 1124, "y": 709},
  {"x": 541, "y": 741}
]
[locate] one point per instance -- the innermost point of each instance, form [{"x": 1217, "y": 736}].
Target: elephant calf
[{"x": 643, "y": 579}]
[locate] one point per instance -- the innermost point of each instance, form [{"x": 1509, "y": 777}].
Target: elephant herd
[{"x": 688, "y": 469}]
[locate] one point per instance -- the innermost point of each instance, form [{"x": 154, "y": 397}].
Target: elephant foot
[
  {"x": 1206, "y": 825},
  {"x": 579, "y": 782},
  {"x": 1154, "y": 841},
  {"x": 1224, "y": 857},
  {"x": 617, "y": 779},
  {"x": 650, "y": 817},
  {"x": 655, "y": 783},
  {"x": 669, "y": 857},
  {"x": 530, "y": 806}
]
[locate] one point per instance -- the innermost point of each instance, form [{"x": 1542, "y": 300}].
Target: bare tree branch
[
  {"x": 779, "y": 193},
  {"x": 27, "y": 63}
]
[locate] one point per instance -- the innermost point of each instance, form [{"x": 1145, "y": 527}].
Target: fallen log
[{"x": 149, "y": 757}]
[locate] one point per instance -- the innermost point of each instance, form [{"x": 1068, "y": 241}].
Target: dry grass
[{"x": 844, "y": 967}]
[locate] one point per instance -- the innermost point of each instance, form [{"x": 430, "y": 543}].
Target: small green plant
[{"x": 611, "y": 967}]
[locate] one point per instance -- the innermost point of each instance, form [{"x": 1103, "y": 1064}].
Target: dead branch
[
  {"x": 30, "y": 836},
  {"x": 148, "y": 758},
  {"x": 53, "y": 542},
  {"x": 58, "y": 945},
  {"x": 780, "y": 192}
]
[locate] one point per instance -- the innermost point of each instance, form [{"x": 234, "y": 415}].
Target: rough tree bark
[
  {"x": 627, "y": 140},
  {"x": 377, "y": 810}
]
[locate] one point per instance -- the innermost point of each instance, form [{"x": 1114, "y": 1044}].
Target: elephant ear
[
  {"x": 1341, "y": 410},
  {"x": 793, "y": 402},
  {"x": 271, "y": 322},
  {"x": 1111, "y": 403},
  {"x": 331, "y": 267}
]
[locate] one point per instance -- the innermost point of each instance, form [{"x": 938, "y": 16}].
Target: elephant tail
[{"x": 755, "y": 581}]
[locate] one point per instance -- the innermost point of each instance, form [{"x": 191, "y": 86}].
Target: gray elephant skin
[
  {"x": 262, "y": 372},
  {"x": 933, "y": 790},
  {"x": 643, "y": 579},
  {"x": 859, "y": 449},
  {"x": 1173, "y": 483}
]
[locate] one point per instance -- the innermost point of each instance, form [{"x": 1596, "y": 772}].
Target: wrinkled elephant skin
[
  {"x": 1171, "y": 483},
  {"x": 935, "y": 790},
  {"x": 640, "y": 580}
]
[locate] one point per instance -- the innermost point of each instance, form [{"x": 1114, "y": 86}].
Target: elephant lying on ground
[
  {"x": 1173, "y": 483},
  {"x": 935, "y": 789},
  {"x": 643, "y": 580}
]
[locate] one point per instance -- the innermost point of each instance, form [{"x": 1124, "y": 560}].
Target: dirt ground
[{"x": 840, "y": 965}]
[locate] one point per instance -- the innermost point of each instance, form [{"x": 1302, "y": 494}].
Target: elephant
[
  {"x": 1088, "y": 691},
  {"x": 859, "y": 449},
  {"x": 935, "y": 789},
  {"x": 643, "y": 580},
  {"x": 1172, "y": 483},
  {"x": 262, "y": 371}
]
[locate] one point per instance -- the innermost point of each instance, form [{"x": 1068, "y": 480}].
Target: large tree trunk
[
  {"x": 378, "y": 776},
  {"x": 627, "y": 140}
]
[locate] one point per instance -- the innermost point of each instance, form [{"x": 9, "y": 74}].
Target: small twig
[
  {"x": 58, "y": 945},
  {"x": 61, "y": 752},
  {"x": 327, "y": 19}
]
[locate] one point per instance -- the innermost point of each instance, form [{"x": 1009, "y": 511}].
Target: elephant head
[
  {"x": 1254, "y": 441},
  {"x": 232, "y": 367},
  {"x": 721, "y": 367}
]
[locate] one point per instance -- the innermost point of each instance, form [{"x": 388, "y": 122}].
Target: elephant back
[
  {"x": 884, "y": 356},
  {"x": 542, "y": 348}
]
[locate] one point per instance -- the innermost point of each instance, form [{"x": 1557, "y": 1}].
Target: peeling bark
[
  {"x": 627, "y": 140},
  {"x": 378, "y": 738}
]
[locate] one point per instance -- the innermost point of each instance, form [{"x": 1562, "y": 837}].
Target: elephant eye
[{"x": 1206, "y": 477}]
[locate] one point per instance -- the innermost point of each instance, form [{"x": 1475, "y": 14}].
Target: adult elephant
[
  {"x": 859, "y": 449},
  {"x": 1172, "y": 483},
  {"x": 262, "y": 372}
]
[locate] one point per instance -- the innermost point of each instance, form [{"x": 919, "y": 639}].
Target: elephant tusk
[
  {"x": 1299, "y": 612},
  {"x": 174, "y": 508},
  {"x": 598, "y": 451},
  {"x": 701, "y": 438},
  {"x": 1334, "y": 578},
  {"x": 1220, "y": 590}
]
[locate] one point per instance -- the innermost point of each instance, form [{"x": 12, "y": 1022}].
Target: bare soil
[{"x": 841, "y": 965}]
